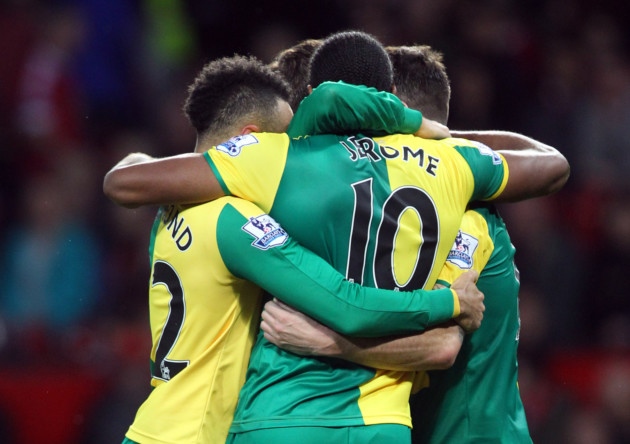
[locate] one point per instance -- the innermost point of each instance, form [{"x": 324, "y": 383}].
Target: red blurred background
[{"x": 84, "y": 82}]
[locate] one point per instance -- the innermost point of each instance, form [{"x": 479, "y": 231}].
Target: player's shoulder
[
  {"x": 485, "y": 214},
  {"x": 212, "y": 209},
  {"x": 427, "y": 144},
  {"x": 465, "y": 147},
  {"x": 196, "y": 214},
  {"x": 244, "y": 207},
  {"x": 235, "y": 214},
  {"x": 458, "y": 153},
  {"x": 238, "y": 144},
  {"x": 272, "y": 137},
  {"x": 471, "y": 148},
  {"x": 475, "y": 221}
]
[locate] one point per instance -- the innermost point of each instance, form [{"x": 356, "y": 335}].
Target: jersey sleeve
[
  {"x": 342, "y": 108},
  {"x": 250, "y": 166},
  {"x": 254, "y": 247},
  {"x": 489, "y": 168},
  {"x": 471, "y": 250}
]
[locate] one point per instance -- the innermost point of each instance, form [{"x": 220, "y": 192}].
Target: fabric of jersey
[
  {"x": 385, "y": 213},
  {"x": 342, "y": 108},
  {"x": 478, "y": 400},
  {"x": 204, "y": 311}
]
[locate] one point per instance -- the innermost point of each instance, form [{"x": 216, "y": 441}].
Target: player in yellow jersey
[
  {"x": 456, "y": 175},
  {"x": 203, "y": 311}
]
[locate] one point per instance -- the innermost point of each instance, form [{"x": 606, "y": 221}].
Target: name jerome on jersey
[
  {"x": 366, "y": 148},
  {"x": 182, "y": 235}
]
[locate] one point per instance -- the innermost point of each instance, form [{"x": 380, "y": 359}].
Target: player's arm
[
  {"x": 305, "y": 281},
  {"x": 535, "y": 169},
  {"x": 338, "y": 107},
  {"x": 140, "y": 179},
  {"x": 434, "y": 349}
]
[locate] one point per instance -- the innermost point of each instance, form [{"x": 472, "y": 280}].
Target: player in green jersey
[
  {"x": 477, "y": 400},
  {"x": 518, "y": 429},
  {"x": 464, "y": 172},
  {"x": 203, "y": 310}
]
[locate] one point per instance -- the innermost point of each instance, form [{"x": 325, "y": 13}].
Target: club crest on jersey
[
  {"x": 267, "y": 232},
  {"x": 463, "y": 249},
  {"x": 487, "y": 151},
  {"x": 234, "y": 146}
]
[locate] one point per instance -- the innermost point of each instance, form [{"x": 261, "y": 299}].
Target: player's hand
[
  {"x": 293, "y": 331},
  {"x": 430, "y": 129},
  {"x": 470, "y": 301}
]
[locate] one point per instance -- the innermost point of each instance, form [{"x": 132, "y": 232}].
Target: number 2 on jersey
[{"x": 165, "y": 274}]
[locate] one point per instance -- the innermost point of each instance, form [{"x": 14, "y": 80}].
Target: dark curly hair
[
  {"x": 354, "y": 57},
  {"x": 421, "y": 80},
  {"x": 232, "y": 88}
]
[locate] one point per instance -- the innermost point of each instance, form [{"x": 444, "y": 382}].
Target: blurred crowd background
[{"x": 84, "y": 82}]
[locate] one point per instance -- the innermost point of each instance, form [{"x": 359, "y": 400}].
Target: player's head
[
  {"x": 421, "y": 80},
  {"x": 236, "y": 95},
  {"x": 292, "y": 64},
  {"x": 353, "y": 57}
]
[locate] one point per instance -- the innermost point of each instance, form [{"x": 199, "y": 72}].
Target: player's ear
[{"x": 252, "y": 128}]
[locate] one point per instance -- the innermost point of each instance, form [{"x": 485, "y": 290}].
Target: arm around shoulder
[
  {"x": 140, "y": 179},
  {"x": 534, "y": 174},
  {"x": 535, "y": 169}
]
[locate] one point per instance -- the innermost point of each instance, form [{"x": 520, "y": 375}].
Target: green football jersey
[
  {"x": 478, "y": 400},
  {"x": 385, "y": 213}
]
